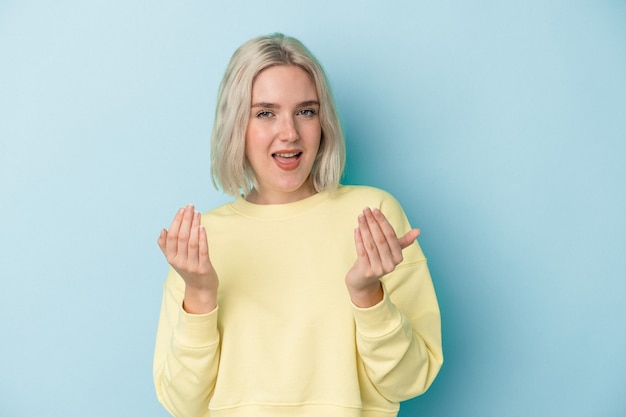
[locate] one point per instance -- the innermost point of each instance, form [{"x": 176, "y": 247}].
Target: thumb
[{"x": 409, "y": 238}]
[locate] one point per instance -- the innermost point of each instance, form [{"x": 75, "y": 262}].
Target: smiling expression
[{"x": 283, "y": 134}]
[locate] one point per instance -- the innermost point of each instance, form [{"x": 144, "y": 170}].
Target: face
[{"x": 283, "y": 135}]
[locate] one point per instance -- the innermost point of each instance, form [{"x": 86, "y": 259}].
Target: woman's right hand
[{"x": 186, "y": 249}]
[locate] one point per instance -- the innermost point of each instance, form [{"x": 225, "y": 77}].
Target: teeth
[{"x": 287, "y": 155}]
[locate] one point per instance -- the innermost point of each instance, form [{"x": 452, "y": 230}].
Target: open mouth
[
  {"x": 287, "y": 155},
  {"x": 287, "y": 160}
]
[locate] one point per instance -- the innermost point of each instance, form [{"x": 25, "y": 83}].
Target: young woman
[{"x": 302, "y": 297}]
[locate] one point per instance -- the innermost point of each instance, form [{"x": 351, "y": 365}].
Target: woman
[{"x": 275, "y": 304}]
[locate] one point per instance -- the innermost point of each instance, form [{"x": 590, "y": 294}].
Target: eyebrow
[{"x": 275, "y": 106}]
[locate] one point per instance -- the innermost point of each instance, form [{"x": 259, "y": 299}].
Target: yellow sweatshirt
[{"x": 285, "y": 339}]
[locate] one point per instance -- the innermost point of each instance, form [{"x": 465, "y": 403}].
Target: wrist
[
  {"x": 199, "y": 301},
  {"x": 368, "y": 296}
]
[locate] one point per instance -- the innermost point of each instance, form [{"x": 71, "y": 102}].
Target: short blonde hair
[{"x": 230, "y": 169}]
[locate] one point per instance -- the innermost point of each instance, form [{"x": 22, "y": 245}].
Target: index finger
[
  {"x": 387, "y": 230},
  {"x": 168, "y": 240},
  {"x": 176, "y": 222}
]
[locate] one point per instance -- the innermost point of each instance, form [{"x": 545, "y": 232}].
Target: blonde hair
[{"x": 230, "y": 169}]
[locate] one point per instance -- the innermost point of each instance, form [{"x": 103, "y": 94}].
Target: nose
[{"x": 288, "y": 130}]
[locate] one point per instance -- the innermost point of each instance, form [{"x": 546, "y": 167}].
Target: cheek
[
  {"x": 253, "y": 140},
  {"x": 251, "y": 134},
  {"x": 312, "y": 133},
  {"x": 317, "y": 137}
]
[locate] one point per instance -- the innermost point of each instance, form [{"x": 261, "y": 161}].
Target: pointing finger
[
  {"x": 390, "y": 235},
  {"x": 172, "y": 234},
  {"x": 368, "y": 239}
]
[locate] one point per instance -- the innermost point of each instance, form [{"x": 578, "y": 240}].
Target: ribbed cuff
[
  {"x": 378, "y": 320},
  {"x": 197, "y": 330}
]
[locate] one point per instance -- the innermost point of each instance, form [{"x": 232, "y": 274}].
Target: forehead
[{"x": 281, "y": 82}]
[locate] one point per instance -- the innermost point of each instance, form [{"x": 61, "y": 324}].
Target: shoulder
[
  {"x": 219, "y": 210},
  {"x": 362, "y": 191},
  {"x": 367, "y": 196},
  {"x": 359, "y": 197},
  {"x": 218, "y": 215}
]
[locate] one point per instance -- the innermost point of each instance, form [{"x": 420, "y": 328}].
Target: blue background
[{"x": 499, "y": 125}]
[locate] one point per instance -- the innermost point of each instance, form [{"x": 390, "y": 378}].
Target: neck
[{"x": 257, "y": 196}]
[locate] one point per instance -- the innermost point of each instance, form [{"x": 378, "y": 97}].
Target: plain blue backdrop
[{"x": 499, "y": 125}]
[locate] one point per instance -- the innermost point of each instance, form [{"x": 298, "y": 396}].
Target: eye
[
  {"x": 264, "y": 114},
  {"x": 308, "y": 112}
]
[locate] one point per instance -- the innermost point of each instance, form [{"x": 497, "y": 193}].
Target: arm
[
  {"x": 398, "y": 328},
  {"x": 188, "y": 345},
  {"x": 186, "y": 355}
]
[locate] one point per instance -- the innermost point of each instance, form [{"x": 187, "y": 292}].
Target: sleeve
[
  {"x": 399, "y": 339},
  {"x": 186, "y": 355}
]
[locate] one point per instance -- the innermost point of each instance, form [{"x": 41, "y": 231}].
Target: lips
[{"x": 287, "y": 161}]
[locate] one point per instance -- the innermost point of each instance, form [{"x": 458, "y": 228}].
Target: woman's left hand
[{"x": 379, "y": 251}]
